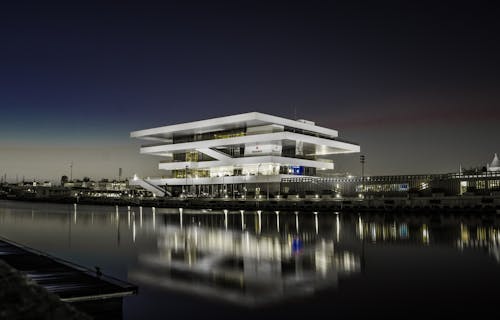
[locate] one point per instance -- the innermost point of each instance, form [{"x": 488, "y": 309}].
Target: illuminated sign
[{"x": 298, "y": 170}]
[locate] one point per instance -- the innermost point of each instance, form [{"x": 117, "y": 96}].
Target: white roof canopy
[{"x": 249, "y": 119}]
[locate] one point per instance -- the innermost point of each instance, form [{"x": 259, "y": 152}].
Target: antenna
[{"x": 71, "y": 171}]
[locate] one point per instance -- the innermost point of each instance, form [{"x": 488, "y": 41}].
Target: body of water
[{"x": 249, "y": 264}]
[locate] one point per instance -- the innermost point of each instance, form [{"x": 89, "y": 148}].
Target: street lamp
[
  {"x": 258, "y": 167},
  {"x": 362, "y": 160},
  {"x": 223, "y": 186},
  {"x": 186, "y": 174},
  {"x": 234, "y": 196},
  {"x": 267, "y": 186}
]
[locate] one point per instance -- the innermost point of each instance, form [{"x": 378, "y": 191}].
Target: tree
[{"x": 64, "y": 179}]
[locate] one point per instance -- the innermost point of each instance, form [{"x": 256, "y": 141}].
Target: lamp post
[
  {"x": 234, "y": 196},
  {"x": 186, "y": 174},
  {"x": 245, "y": 186},
  {"x": 258, "y": 173},
  {"x": 223, "y": 187},
  {"x": 267, "y": 186},
  {"x": 362, "y": 160}
]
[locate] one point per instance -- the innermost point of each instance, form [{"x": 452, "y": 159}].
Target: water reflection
[
  {"x": 242, "y": 267},
  {"x": 215, "y": 254},
  {"x": 484, "y": 237},
  {"x": 243, "y": 256}
]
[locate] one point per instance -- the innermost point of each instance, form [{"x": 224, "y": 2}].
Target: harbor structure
[
  {"x": 449, "y": 184},
  {"x": 494, "y": 165},
  {"x": 70, "y": 282},
  {"x": 238, "y": 155}
]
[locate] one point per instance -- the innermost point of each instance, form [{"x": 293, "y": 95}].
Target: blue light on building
[{"x": 298, "y": 170}]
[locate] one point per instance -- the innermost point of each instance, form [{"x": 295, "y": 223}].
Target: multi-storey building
[{"x": 240, "y": 155}]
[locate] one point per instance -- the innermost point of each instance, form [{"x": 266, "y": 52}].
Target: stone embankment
[
  {"x": 483, "y": 204},
  {"x": 22, "y": 298}
]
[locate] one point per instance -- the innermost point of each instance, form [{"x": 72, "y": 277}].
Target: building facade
[
  {"x": 449, "y": 184},
  {"x": 241, "y": 155}
]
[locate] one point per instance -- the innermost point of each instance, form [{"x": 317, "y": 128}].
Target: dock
[{"x": 70, "y": 282}]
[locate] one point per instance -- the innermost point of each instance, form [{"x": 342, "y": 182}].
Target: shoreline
[
  {"x": 22, "y": 297},
  {"x": 461, "y": 204}
]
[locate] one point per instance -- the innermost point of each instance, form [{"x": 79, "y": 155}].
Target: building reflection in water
[
  {"x": 248, "y": 257},
  {"x": 243, "y": 267},
  {"x": 483, "y": 238},
  {"x": 280, "y": 259},
  {"x": 472, "y": 235}
]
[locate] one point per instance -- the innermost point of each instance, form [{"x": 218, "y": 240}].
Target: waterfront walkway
[{"x": 458, "y": 204}]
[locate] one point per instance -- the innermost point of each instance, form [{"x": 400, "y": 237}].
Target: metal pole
[
  {"x": 258, "y": 174},
  {"x": 362, "y": 160},
  {"x": 186, "y": 174},
  {"x": 267, "y": 185}
]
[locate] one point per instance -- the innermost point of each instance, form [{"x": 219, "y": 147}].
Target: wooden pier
[{"x": 72, "y": 283}]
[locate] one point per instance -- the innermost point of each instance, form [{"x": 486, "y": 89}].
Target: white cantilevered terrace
[{"x": 239, "y": 150}]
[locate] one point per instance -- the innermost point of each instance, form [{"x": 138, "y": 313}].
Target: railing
[
  {"x": 368, "y": 179},
  {"x": 485, "y": 174}
]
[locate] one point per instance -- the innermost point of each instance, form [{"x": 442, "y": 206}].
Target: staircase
[{"x": 145, "y": 184}]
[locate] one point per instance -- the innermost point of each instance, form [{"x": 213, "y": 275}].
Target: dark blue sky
[{"x": 415, "y": 84}]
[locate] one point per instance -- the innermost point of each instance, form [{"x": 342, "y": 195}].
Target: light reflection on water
[
  {"x": 241, "y": 267},
  {"x": 253, "y": 258}
]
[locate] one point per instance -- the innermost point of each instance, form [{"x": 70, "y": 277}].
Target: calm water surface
[{"x": 249, "y": 264}]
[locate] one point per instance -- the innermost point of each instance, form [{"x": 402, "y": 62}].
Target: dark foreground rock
[{"x": 22, "y": 298}]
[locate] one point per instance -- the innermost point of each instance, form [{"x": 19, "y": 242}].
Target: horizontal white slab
[
  {"x": 329, "y": 146},
  {"x": 220, "y": 180},
  {"x": 229, "y": 122},
  {"x": 247, "y": 160}
]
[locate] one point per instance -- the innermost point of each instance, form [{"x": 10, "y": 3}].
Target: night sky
[{"x": 416, "y": 85}]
